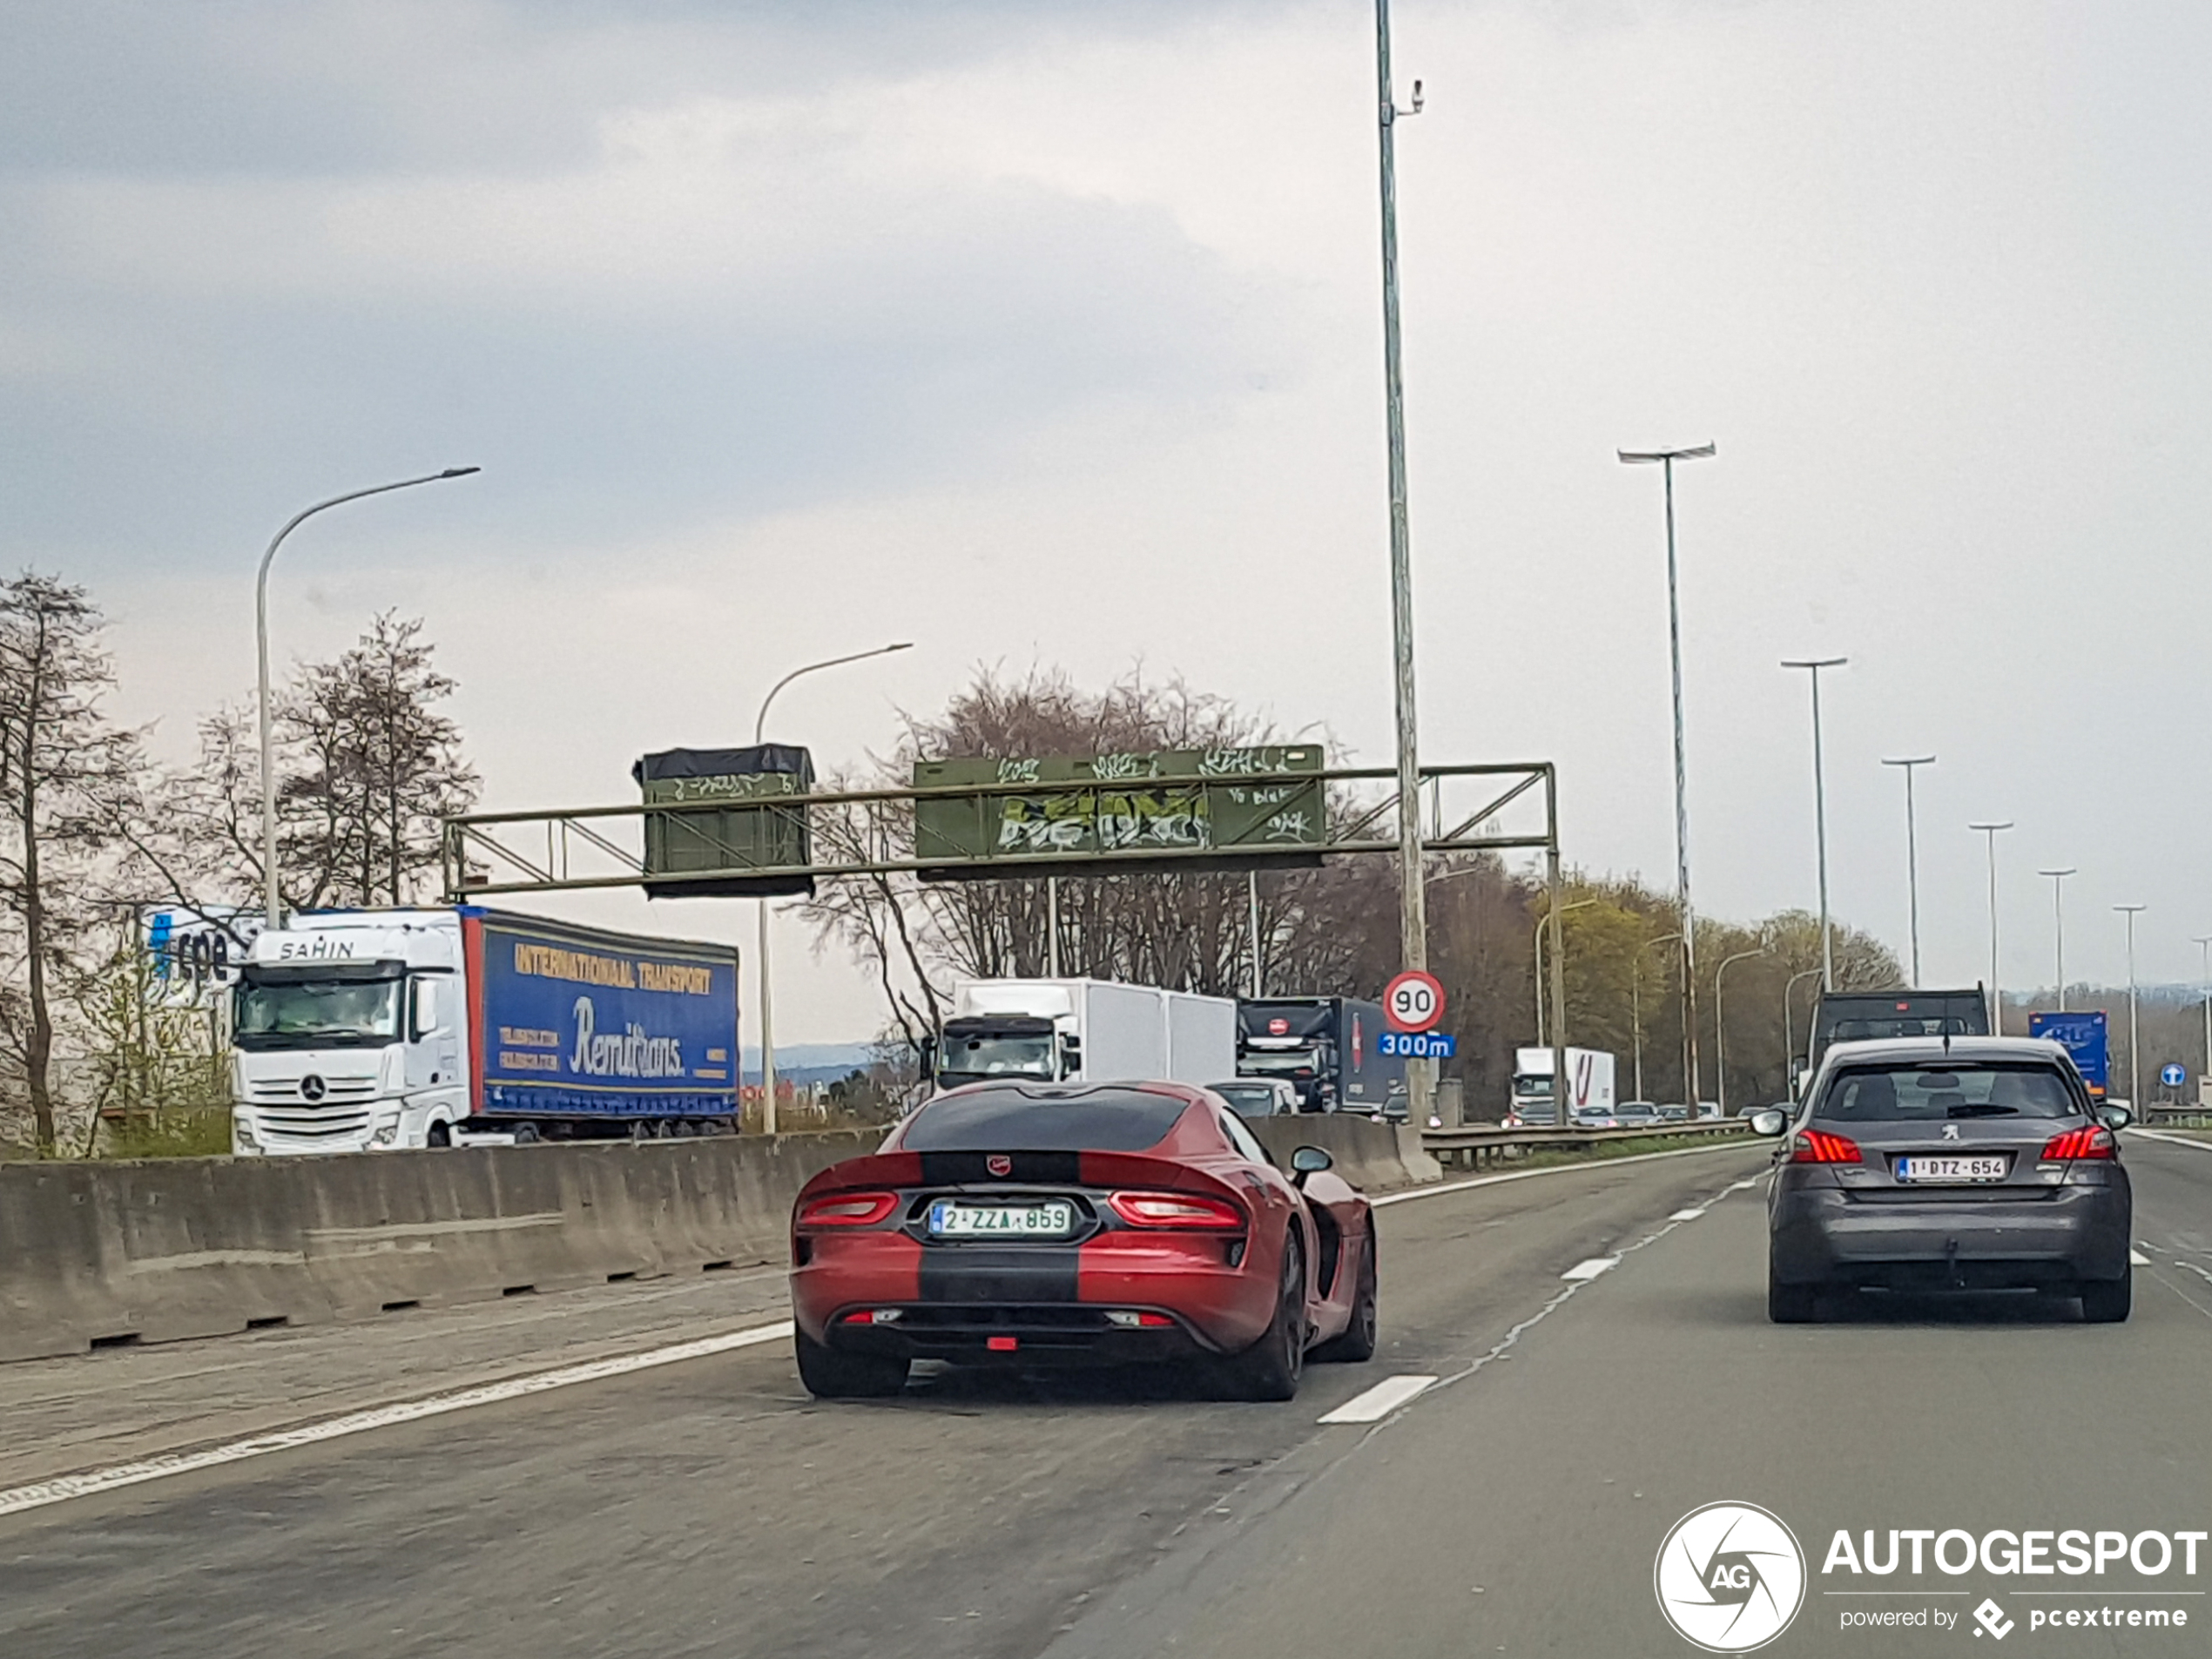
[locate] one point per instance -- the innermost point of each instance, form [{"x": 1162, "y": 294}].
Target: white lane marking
[
  {"x": 62, "y": 1488},
  {"x": 2136, "y": 1258},
  {"x": 1686, "y": 1215},
  {"x": 1582, "y": 1272},
  {"x": 2171, "y": 1140},
  {"x": 1446, "y": 1187},
  {"x": 1379, "y": 1401}
]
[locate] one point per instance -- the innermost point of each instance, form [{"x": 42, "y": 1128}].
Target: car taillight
[
  {"x": 2092, "y": 1142},
  {"x": 1819, "y": 1146},
  {"x": 848, "y": 1210},
  {"x": 1176, "y": 1209}
]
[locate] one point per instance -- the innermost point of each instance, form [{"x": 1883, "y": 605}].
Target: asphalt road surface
[{"x": 708, "y": 1507}]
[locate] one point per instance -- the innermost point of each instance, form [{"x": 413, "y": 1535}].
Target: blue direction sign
[
  {"x": 2172, "y": 1076},
  {"x": 1418, "y": 1045}
]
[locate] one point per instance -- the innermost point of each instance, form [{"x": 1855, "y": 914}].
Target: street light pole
[
  {"x": 760, "y": 920},
  {"x": 1814, "y": 665},
  {"x": 1635, "y": 1004},
  {"x": 273, "y": 914},
  {"x": 2205, "y": 945},
  {"x": 1537, "y": 939},
  {"x": 1666, "y": 458},
  {"x": 1996, "y": 997},
  {"x": 1913, "y": 852},
  {"x": 1720, "y": 1030},
  {"x": 2134, "y": 1050},
  {"x": 1789, "y": 1033},
  {"x": 1412, "y": 920},
  {"x": 2058, "y": 916}
]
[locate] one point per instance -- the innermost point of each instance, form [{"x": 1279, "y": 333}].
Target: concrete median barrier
[
  {"x": 95, "y": 1255},
  {"x": 1375, "y": 1157}
]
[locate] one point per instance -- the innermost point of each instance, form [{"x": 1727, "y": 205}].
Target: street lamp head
[
  {"x": 2007, "y": 824},
  {"x": 1912, "y": 760},
  {"x": 1814, "y": 661},
  {"x": 2131, "y": 909},
  {"x": 459, "y": 472},
  {"x": 2069, "y": 871},
  {"x": 1632, "y": 457},
  {"x": 903, "y": 644}
]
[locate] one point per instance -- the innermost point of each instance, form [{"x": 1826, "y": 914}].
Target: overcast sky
[{"x": 1050, "y": 332}]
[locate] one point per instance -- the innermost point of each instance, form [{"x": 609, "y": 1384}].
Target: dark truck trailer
[
  {"x": 1327, "y": 1048},
  {"x": 1861, "y": 1016}
]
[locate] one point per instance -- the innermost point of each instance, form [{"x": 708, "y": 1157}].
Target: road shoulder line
[
  {"x": 1439, "y": 1191},
  {"x": 61, "y": 1489}
]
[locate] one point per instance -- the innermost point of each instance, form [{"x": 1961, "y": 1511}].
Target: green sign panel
[
  {"x": 1187, "y": 808},
  {"x": 756, "y": 832}
]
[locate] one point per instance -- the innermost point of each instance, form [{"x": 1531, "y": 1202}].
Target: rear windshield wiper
[{"x": 1983, "y": 1110}]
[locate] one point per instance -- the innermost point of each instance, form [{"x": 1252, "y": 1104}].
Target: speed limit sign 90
[{"x": 1414, "y": 1001}]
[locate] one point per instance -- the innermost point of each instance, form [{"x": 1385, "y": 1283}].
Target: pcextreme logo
[{"x": 1729, "y": 1577}]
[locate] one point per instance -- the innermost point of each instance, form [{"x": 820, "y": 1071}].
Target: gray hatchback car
[{"x": 1926, "y": 1165}]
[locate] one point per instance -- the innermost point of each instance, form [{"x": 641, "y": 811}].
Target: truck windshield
[
  {"x": 971, "y": 1059},
  {"x": 316, "y": 1013},
  {"x": 1539, "y": 1087}
]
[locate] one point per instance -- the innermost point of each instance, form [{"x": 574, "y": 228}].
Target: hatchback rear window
[
  {"x": 1020, "y": 1120},
  {"x": 1911, "y": 1094}
]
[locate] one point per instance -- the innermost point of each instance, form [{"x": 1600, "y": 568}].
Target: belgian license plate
[
  {"x": 1953, "y": 1168},
  {"x": 1054, "y": 1219}
]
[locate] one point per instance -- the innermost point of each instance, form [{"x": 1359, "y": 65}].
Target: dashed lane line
[
  {"x": 1379, "y": 1401},
  {"x": 1582, "y": 1272},
  {"x": 61, "y": 1489}
]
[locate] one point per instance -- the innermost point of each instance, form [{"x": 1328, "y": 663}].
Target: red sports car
[{"x": 1043, "y": 1224}]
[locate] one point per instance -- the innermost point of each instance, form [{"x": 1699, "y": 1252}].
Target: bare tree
[
  {"x": 68, "y": 776},
  {"x": 368, "y": 765}
]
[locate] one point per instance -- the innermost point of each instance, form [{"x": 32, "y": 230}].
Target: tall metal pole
[
  {"x": 761, "y": 918},
  {"x": 1666, "y": 458},
  {"x": 273, "y": 901},
  {"x": 1413, "y": 923},
  {"x": 2058, "y": 919},
  {"x": 1996, "y": 996},
  {"x": 1052, "y": 930},
  {"x": 1913, "y": 852},
  {"x": 2135, "y": 1048},
  {"x": 1814, "y": 665}
]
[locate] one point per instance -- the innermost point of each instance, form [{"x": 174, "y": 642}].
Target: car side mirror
[
  {"x": 1309, "y": 1160},
  {"x": 1768, "y": 1123},
  {"x": 2114, "y": 1116}
]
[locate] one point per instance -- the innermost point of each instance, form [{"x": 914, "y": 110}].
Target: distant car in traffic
[
  {"x": 1597, "y": 1117},
  {"x": 1258, "y": 1096},
  {"x": 1675, "y": 1114},
  {"x": 1930, "y": 1165},
  {"x": 1035, "y": 1224},
  {"x": 1641, "y": 1114},
  {"x": 1708, "y": 1109}
]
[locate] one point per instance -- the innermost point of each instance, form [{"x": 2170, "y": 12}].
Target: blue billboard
[{"x": 573, "y": 1022}]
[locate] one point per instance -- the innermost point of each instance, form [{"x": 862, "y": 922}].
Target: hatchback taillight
[
  {"x": 1178, "y": 1209},
  {"x": 2095, "y": 1142},
  {"x": 1819, "y": 1146},
  {"x": 848, "y": 1209}
]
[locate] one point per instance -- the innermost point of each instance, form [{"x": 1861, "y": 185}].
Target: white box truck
[
  {"x": 1589, "y": 1078},
  {"x": 1083, "y": 1030}
]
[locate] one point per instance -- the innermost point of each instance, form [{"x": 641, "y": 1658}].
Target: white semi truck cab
[{"x": 348, "y": 1034}]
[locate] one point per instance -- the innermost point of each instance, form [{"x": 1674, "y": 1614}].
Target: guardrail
[{"x": 1474, "y": 1147}]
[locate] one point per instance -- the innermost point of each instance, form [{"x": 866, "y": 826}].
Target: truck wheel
[
  {"x": 831, "y": 1375},
  {"x": 440, "y": 1135},
  {"x": 2107, "y": 1301},
  {"x": 526, "y": 1135}
]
